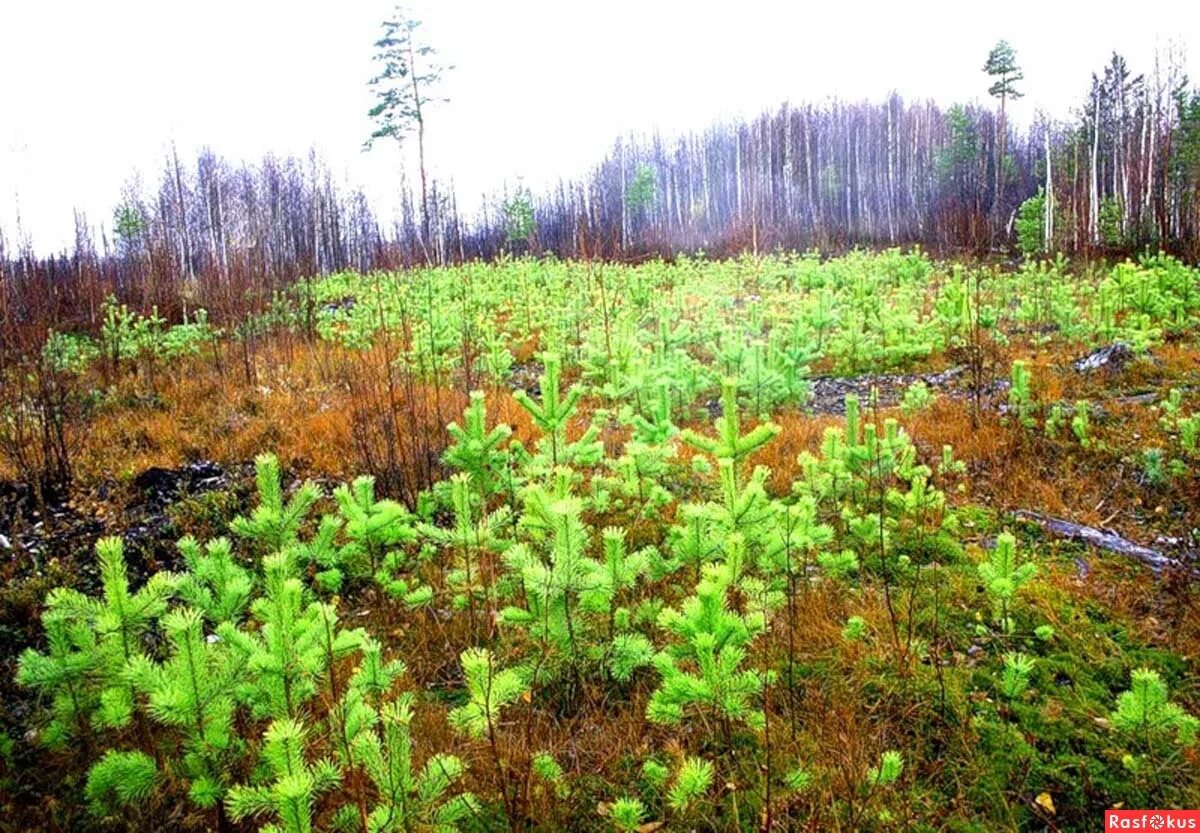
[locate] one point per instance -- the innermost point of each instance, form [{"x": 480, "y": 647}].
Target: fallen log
[
  {"x": 1113, "y": 357},
  {"x": 1105, "y": 540}
]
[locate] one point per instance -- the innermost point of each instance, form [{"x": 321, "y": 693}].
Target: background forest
[{"x": 1121, "y": 175}]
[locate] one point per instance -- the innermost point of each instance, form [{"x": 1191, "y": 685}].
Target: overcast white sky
[{"x": 91, "y": 92}]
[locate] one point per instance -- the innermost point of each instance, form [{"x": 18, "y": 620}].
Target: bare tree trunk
[
  {"x": 185, "y": 237},
  {"x": 420, "y": 118},
  {"x": 1048, "y": 239},
  {"x": 1094, "y": 195}
]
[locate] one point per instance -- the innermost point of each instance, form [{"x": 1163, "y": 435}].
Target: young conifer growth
[
  {"x": 66, "y": 674},
  {"x": 472, "y": 540},
  {"x": 627, "y": 650},
  {"x": 1020, "y": 393},
  {"x": 408, "y": 797},
  {"x": 118, "y": 620},
  {"x": 730, "y": 442},
  {"x": 1015, "y": 678},
  {"x": 793, "y": 538},
  {"x": 692, "y": 541},
  {"x": 1145, "y": 713},
  {"x": 554, "y": 413},
  {"x": 476, "y": 451},
  {"x": 489, "y": 689},
  {"x": 120, "y": 779},
  {"x": 621, "y": 572},
  {"x": 355, "y": 715},
  {"x": 372, "y": 527},
  {"x": 288, "y": 654},
  {"x": 744, "y": 509},
  {"x": 654, "y": 425},
  {"x": 1081, "y": 426},
  {"x": 275, "y": 523},
  {"x": 692, "y": 782},
  {"x": 321, "y": 555},
  {"x": 891, "y": 765},
  {"x": 627, "y": 814},
  {"x": 294, "y": 785},
  {"x": 192, "y": 691},
  {"x": 557, "y": 583},
  {"x": 214, "y": 584},
  {"x": 551, "y": 772},
  {"x": 633, "y": 481},
  {"x": 1156, "y": 732},
  {"x": 1003, "y": 577},
  {"x": 705, "y": 669},
  {"x": 855, "y": 629}
]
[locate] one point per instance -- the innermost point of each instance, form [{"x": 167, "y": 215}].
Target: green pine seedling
[
  {"x": 627, "y": 651},
  {"x": 1055, "y": 420},
  {"x": 839, "y": 565},
  {"x": 704, "y": 669},
  {"x": 655, "y": 774},
  {"x": 323, "y": 555},
  {"x": 549, "y": 770},
  {"x": 1080, "y": 424},
  {"x": 374, "y": 676},
  {"x": 356, "y": 711},
  {"x": 275, "y": 524},
  {"x": 797, "y": 779},
  {"x": 1015, "y": 679},
  {"x": 745, "y": 509},
  {"x": 119, "y": 621},
  {"x": 408, "y": 797},
  {"x": 374, "y": 530},
  {"x": 1145, "y": 713},
  {"x": 692, "y": 542},
  {"x": 692, "y": 783},
  {"x": 554, "y": 413},
  {"x": 792, "y": 539},
  {"x": 67, "y": 674},
  {"x": 619, "y": 575},
  {"x": 1020, "y": 393},
  {"x": 730, "y": 442},
  {"x": 286, "y": 656},
  {"x": 855, "y": 629},
  {"x": 891, "y": 765},
  {"x": 294, "y": 787},
  {"x": 489, "y": 690},
  {"x": 632, "y": 482},
  {"x": 949, "y": 465},
  {"x": 120, "y": 779},
  {"x": 827, "y": 477},
  {"x": 626, "y": 814},
  {"x": 473, "y": 535},
  {"x": 477, "y": 451},
  {"x": 917, "y": 398},
  {"x": 1003, "y": 577},
  {"x": 654, "y": 426},
  {"x": 557, "y": 584},
  {"x": 215, "y": 584},
  {"x": 497, "y": 359},
  {"x": 192, "y": 691}
]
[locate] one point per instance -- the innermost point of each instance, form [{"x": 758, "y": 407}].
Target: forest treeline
[{"x": 1121, "y": 175}]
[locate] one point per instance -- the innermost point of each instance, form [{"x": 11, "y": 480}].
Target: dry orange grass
[
  {"x": 299, "y": 407},
  {"x": 799, "y": 433}
]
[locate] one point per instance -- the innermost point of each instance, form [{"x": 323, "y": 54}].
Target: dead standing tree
[{"x": 402, "y": 95}]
